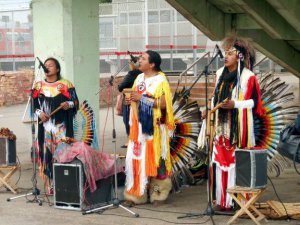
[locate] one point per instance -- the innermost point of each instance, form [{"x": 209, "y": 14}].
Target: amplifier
[
  {"x": 251, "y": 168},
  {"x": 69, "y": 188},
  {"x": 7, "y": 152}
]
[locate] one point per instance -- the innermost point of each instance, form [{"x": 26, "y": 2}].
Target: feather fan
[
  {"x": 277, "y": 99},
  {"x": 183, "y": 144},
  {"x": 85, "y": 126}
]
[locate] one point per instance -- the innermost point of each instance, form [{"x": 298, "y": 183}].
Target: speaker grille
[
  {"x": 68, "y": 182},
  {"x": 70, "y": 191},
  {"x": 7, "y": 152},
  {"x": 251, "y": 168},
  {"x": 2, "y": 151}
]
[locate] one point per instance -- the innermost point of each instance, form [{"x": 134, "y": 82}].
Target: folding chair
[
  {"x": 6, "y": 173},
  {"x": 238, "y": 194}
]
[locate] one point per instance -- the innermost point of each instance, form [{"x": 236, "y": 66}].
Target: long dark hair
[
  {"x": 56, "y": 64},
  {"x": 155, "y": 58}
]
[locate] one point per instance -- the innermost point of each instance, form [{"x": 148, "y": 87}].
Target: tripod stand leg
[
  {"x": 20, "y": 196},
  {"x": 189, "y": 215},
  {"x": 36, "y": 198},
  {"x": 97, "y": 209},
  {"x": 108, "y": 206},
  {"x": 128, "y": 210}
]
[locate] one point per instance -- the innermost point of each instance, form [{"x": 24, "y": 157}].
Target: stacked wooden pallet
[{"x": 278, "y": 210}]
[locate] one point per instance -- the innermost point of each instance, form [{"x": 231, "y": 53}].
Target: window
[
  {"x": 180, "y": 17},
  {"x": 153, "y": 17},
  {"x": 165, "y": 16},
  {"x": 135, "y": 18},
  {"x": 26, "y": 36},
  {"x": 106, "y": 33},
  {"x": 123, "y": 18},
  {"x": 11, "y": 35}
]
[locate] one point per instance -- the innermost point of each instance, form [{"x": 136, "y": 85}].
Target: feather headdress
[{"x": 244, "y": 47}]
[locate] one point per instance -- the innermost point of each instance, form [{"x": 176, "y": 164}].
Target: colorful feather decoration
[
  {"x": 85, "y": 125},
  {"x": 183, "y": 144},
  {"x": 277, "y": 99}
]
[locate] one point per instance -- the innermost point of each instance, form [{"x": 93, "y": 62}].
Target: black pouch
[{"x": 289, "y": 143}]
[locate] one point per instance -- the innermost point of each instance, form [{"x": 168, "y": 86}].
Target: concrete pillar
[{"x": 69, "y": 31}]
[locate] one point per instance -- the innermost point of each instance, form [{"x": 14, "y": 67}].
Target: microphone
[
  {"x": 42, "y": 65},
  {"x": 219, "y": 52},
  {"x": 133, "y": 59}
]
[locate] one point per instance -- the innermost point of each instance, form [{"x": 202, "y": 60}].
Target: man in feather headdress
[
  {"x": 237, "y": 92},
  {"x": 151, "y": 122}
]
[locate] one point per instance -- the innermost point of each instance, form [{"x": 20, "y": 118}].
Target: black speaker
[
  {"x": 251, "y": 168},
  {"x": 70, "y": 191},
  {"x": 7, "y": 152}
]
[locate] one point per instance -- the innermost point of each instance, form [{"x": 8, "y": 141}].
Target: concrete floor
[{"x": 191, "y": 199}]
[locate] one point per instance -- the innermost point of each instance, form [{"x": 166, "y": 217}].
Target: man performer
[
  {"x": 151, "y": 122},
  {"x": 48, "y": 95},
  {"x": 237, "y": 93}
]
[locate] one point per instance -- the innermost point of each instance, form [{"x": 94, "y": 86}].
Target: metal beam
[
  {"x": 205, "y": 16},
  {"x": 289, "y": 10},
  {"x": 227, "y": 6},
  {"x": 265, "y": 15},
  {"x": 277, "y": 50},
  {"x": 244, "y": 21}
]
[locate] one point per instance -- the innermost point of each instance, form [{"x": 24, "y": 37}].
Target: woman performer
[{"x": 48, "y": 95}]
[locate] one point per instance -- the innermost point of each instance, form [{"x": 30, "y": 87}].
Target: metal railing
[
  {"x": 260, "y": 61},
  {"x": 192, "y": 65}
]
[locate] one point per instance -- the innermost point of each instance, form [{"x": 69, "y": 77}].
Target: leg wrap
[
  {"x": 160, "y": 189},
  {"x": 137, "y": 200}
]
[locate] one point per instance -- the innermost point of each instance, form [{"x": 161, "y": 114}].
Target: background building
[{"x": 125, "y": 25}]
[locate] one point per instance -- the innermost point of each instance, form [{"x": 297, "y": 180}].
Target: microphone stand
[
  {"x": 35, "y": 191},
  {"x": 112, "y": 78},
  {"x": 187, "y": 92},
  {"x": 209, "y": 210},
  {"x": 115, "y": 202}
]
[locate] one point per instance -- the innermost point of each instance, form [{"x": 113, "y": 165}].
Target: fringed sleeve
[
  {"x": 166, "y": 91},
  {"x": 253, "y": 91},
  {"x": 162, "y": 140},
  {"x": 169, "y": 107},
  {"x": 247, "y": 139}
]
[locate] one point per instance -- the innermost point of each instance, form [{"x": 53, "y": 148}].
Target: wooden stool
[
  {"x": 5, "y": 174},
  {"x": 238, "y": 194}
]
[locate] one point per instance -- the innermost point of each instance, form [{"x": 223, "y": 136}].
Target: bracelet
[{"x": 38, "y": 112}]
